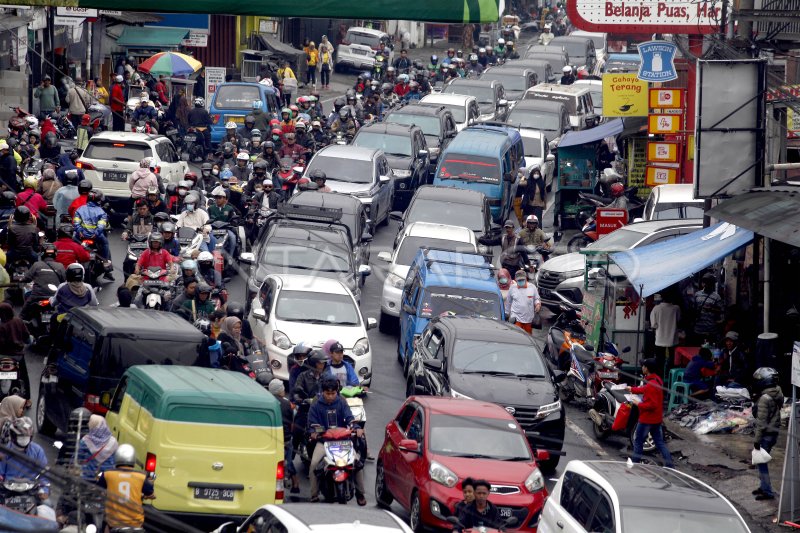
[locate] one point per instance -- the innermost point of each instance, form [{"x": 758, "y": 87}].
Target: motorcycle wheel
[
  {"x": 599, "y": 432},
  {"x": 567, "y": 390},
  {"x": 578, "y": 243},
  {"x": 341, "y": 493}
]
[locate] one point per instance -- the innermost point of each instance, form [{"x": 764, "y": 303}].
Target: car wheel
[
  {"x": 549, "y": 467},
  {"x": 388, "y": 323},
  {"x": 382, "y": 494},
  {"x": 415, "y": 514},
  {"x": 43, "y": 424}
]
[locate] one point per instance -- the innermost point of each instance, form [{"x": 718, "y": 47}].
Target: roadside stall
[{"x": 577, "y": 168}]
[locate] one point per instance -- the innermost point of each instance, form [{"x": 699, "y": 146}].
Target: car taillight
[
  {"x": 83, "y": 165},
  {"x": 216, "y": 118},
  {"x": 150, "y": 463},
  {"x": 278, "y": 481},
  {"x": 93, "y": 404}
]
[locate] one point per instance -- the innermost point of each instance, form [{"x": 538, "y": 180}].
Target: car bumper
[
  {"x": 547, "y": 434},
  {"x": 355, "y": 61},
  {"x": 390, "y": 299}
]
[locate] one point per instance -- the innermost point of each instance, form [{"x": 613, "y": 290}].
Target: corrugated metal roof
[{"x": 129, "y": 17}]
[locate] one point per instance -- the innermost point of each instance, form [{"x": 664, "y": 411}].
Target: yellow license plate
[{"x": 239, "y": 119}]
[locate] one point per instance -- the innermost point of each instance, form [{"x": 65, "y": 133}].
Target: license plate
[
  {"x": 46, "y": 317},
  {"x": 216, "y": 494},
  {"x": 238, "y": 119},
  {"x": 608, "y": 375},
  {"x": 505, "y": 512},
  {"x": 8, "y": 375},
  {"x": 170, "y": 133},
  {"x": 545, "y": 293},
  {"x": 115, "y": 176},
  {"x": 360, "y": 52},
  {"x": 190, "y": 137}
]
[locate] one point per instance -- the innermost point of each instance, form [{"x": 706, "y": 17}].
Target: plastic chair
[
  {"x": 678, "y": 394},
  {"x": 675, "y": 375}
]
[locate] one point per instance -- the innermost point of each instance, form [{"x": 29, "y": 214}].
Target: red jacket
[
  {"x": 651, "y": 408},
  {"x": 32, "y": 200},
  {"x": 70, "y": 252},
  {"x": 76, "y": 204}
]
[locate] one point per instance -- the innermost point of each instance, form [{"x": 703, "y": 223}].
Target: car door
[
  {"x": 435, "y": 349},
  {"x": 73, "y": 366},
  {"x": 576, "y": 504},
  {"x": 394, "y": 464},
  {"x": 413, "y": 467},
  {"x": 409, "y": 316},
  {"x": 420, "y": 163},
  {"x": 474, "y": 112},
  {"x": 384, "y": 189}
]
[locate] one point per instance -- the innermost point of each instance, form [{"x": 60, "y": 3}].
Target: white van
[{"x": 576, "y": 98}]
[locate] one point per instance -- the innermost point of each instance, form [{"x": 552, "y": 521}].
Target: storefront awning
[
  {"x": 657, "y": 266},
  {"x": 281, "y": 50},
  {"x": 152, "y": 37},
  {"x": 598, "y": 133},
  {"x": 774, "y": 213}
]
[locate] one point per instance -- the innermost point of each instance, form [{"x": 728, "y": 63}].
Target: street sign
[
  {"x": 76, "y": 12},
  {"x": 693, "y": 17},
  {"x": 215, "y": 76},
  {"x": 666, "y": 98},
  {"x": 624, "y": 96},
  {"x": 197, "y": 39},
  {"x": 663, "y": 152},
  {"x": 660, "y": 176},
  {"x": 658, "y": 61},
  {"x": 659, "y": 123},
  {"x": 68, "y": 21},
  {"x": 610, "y": 219}
]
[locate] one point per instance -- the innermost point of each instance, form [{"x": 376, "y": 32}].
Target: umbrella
[{"x": 171, "y": 64}]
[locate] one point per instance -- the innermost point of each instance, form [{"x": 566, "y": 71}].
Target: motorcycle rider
[
  {"x": 67, "y": 194},
  {"x": 74, "y": 292},
  {"x": 144, "y": 111},
  {"x": 482, "y": 59},
  {"x": 331, "y": 410},
  {"x": 260, "y": 118},
  {"x": 35, "y": 464},
  {"x": 201, "y": 304},
  {"x": 207, "y": 180},
  {"x": 232, "y": 135},
  {"x": 532, "y": 234},
  {"x": 374, "y": 106},
  {"x": 304, "y": 137},
  {"x": 620, "y": 201},
  {"x": 207, "y": 272},
  {"x": 139, "y": 223},
  {"x": 513, "y": 254},
  {"x": 29, "y": 197},
  {"x": 413, "y": 94},
  {"x": 155, "y": 256},
  {"x": 154, "y": 203},
  {"x": 241, "y": 169},
  {"x": 196, "y": 218},
  {"x": 522, "y": 302},
  {"x": 567, "y": 76},
  {"x": 84, "y": 188},
  {"x": 545, "y": 37},
  {"x": 433, "y": 66},
  {"x": 339, "y": 369},
  {"x": 43, "y": 273},
  {"x": 272, "y": 196},
  {"x": 319, "y": 136},
  {"x": 125, "y": 490},
  {"x": 511, "y": 52},
  {"x": 222, "y": 211},
  {"x": 171, "y": 244},
  {"x": 270, "y": 157},
  {"x": 480, "y": 513},
  {"x": 69, "y": 251},
  {"x": 22, "y": 237},
  {"x": 345, "y": 122},
  {"x": 199, "y": 119},
  {"x": 91, "y": 222},
  {"x": 402, "y": 88},
  {"x": 291, "y": 149},
  {"x": 247, "y": 130}
]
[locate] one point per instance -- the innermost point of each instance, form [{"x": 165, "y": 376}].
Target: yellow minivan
[{"x": 214, "y": 439}]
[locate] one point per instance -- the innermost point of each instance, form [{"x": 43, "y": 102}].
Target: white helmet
[
  {"x": 567, "y": 69},
  {"x": 32, "y": 122},
  {"x": 532, "y": 218},
  {"x": 204, "y": 257},
  {"x": 199, "y": 102},
  {"x": 243, "y": 156},
  {"x": 230, "y": 125},
  {"x": 501, "y": 41}
]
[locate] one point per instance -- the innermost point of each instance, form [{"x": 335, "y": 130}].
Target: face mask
[
  {"x": 23, "y": 442},
  {"x": 215, "y": 172},
  {"x": 275, "y": 138},
  {"x": 181, "y": 192},
  {"x": 503, "y": 281},
  {"x": 520, "y": 283},
  {"x": 190, "y": 207},
  {"x": 537, "y": 175}
]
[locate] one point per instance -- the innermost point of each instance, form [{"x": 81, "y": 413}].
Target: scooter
[
  {"x": 190, "y": 241},
  {"x": 354, "y": 396},
  {"x": 339, "y": 464},
  {"x": 607, "y": 416},
  {"x": 137, "y": 243},
  {"x": 588, "y": 372},
  {"x": 22, "y": 495},
  {"x": 154, "y": 289},
  {"x": 193, "y": 146},
  {"x": 566, "y": 331},
  {"x": 97, "y": 266}
]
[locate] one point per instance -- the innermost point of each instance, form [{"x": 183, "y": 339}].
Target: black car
[
  {"x": 406, "y": 151},
  {"x": 437, "y": 124},
  {"x": 456, "y": 207},
  {"x": 93, "y": 347},
  {"x": 487, "y": 360}
]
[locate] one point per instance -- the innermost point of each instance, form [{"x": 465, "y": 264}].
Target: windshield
[
  {"x": 317, "y": 308},
  {"x": 430, "y": 125},
  {"x": 438, "y": 212},
  {"x": 410, "y": 246},
  {"x": 537, "y": 120},
  {"x": 597, "y": 100},
  {"x": 575, "y": 51},
  {"x": 658, "y": 520},
  {"x": 355, "y": 37},
  {"x": 568, "y": 101},
  {"x": 481, "y": 356},
  {"x": 313, "y": 258},
  {"x": 489, "y": 438},
  {"x": 117, "y": 151},
  {"x": 437, "y": 302},
  {"x": 675, "y": 211},
  {"x": 121, "y": 353},
  {"x": 469, "y": 168},
  {"x": 236, "y": 97},
  {"x": 459, "y": 112},
  {"x": 484, "y": 95},
  {"x": 532, "y": 146},
  {"x": 397, "y": 145},
  {"x": 342, "y": 169},
  {"x": 511, "y": 82}
]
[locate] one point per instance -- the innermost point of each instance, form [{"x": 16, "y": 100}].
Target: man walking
[
  {"x": 651, "y": 414},
  {"x": 118, "y": 104},
  {"x": 522, "y": 302},
  {"x": 78, "y": 101},
  {"x": 664, "y": 320},
  {"x": 767, "y": 412}
]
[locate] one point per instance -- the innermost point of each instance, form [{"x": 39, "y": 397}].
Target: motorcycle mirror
[
  {"x": 91, "y": 528},
  {"x": 58, "y": 445}
]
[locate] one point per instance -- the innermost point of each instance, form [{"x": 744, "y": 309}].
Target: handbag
[
  {"x": 760, "y": 456},
  {"x": 623, "y": 415},
  {"x": 537, "y": 321}
]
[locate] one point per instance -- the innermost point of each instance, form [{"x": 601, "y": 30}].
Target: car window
[
  {"x": 434, "y": 344},
  {"x": 654, "y": 238},
  {"x": 580, "y": 498},
  {"x": 603, "y": 518},
  {"x": 116, "y": 402},
  {"x": 264, "y": 522},
  {"x": 404, "y": 417},
  {"x": 415, "y": 429},
  {"x": 116, "y": 151},
  {"x": 236, "y": 97}
]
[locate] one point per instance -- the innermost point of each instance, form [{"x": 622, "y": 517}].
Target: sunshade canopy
[
  {"x": 657, "y": 266},
  {"x": 598, "y": 133},
  {"x": 150, "y": 36},
  {"x": 773, "y": 213}
]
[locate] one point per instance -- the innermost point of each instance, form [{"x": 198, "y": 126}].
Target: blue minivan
[
  {"x": 484, "y": 158},
  {"x": 445, "y": 283},
  {"x": 234, "y": 101}
]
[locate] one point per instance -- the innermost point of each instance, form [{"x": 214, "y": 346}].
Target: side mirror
[
  {"x": 371, "y": 323},
  {"x": 626, "y": 349},
  {"x": 248, "y": 258},
  {"x": 366, "y": 237},
  {"x": 559, "y": 376},
  {"x": 364, "y": 270},
  {"x": 260, "y": 314},
  {"x": 397, "y": 216},
  {"x": 409, "y": 446},
  {"x": 434, "y": 365},
  {"x": 385, "y": 256},
  {"x": 550, "y": 158},
  {"x": 422, "y": 154},
  {"x": 383, "y": 180}
]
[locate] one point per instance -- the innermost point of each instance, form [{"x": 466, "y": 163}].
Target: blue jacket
[
  {"x": 318, "y": 414},
  {"x": 11, "y": 467},
  {"x": 65, "y": 299},
  {"x": 141, "y": 113},
  {"x": 64, "y": 164},
  {"x": 352, "y": 377},
  {"x": 90, "y": 220}
]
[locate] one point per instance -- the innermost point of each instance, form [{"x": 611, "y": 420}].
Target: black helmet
[
  {"x": 203, "y": 287},
  {"x": 66, "y": 230},
  {"x": 22, "y": 214},
  {"x": 50, "y": 251},
  {"x": 269, "y": 144},
  {"x": 350, "y": 94},
  {"x": 95, "y": 197},
  {"x": 161, "y": 217},
  {"x": 50, "y": 139},
  {"x": 172, "y": 189},
  {"x": 301, "y": 349},
  {"x": 74, "y": 156},
  {"x": 71, "y": 176},
  {"x": 316, "y": 357},
  {"x": 764, "y": 378},
  {"x": 260, "y": 165},
  {"x": 155, "y": 237},
  {"x": 84, "y": 186},
  {"x": 75, "y": 272},
  {"x": 249, "y": 119},
  {"x": 8, "y": 199},
  {"x": 339, "y": 103},
  {"x": 344, "y": 113},
  {"x": 387, "y": 88},
  {"x": 319, "y": 174},
  {"x": 264, "y": 378},
  {"x": 235, "y": 309}
]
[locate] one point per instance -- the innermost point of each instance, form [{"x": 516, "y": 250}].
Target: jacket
[
  {"x": 651, "y": 408},
  {"x": 70, "y": 252},
  {"x": 90, "y": 220},
  {"x": 137, "y": 223},
  {"x": 11, "y": 467},
  {"x": 78, "y": 100},
  {"x": 351, "y": 376},
  {"x": 307, "y": 384},
  {"x": 197, "y": 219},
  {"x": 32, "y": 200},
  {"x": 42, "y": 274},
  {"x": 140, "y": 180},
  {"x": 76, "y": 204},
  {"x": 22, "y": 238},
  {"x": 767, "y": 411},
  {"x": 320, "y": 413},
  {"x": 65, "y": 299}
]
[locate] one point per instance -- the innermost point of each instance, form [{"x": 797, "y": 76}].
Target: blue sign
[{"x": 658, "y": 61}]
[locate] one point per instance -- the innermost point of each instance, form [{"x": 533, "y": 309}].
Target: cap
[
  {"x": 336, "y": 347},
  {"x": 118, "y": 78},
  {"x": 268, "y": 183},
  {"x": 521, "y": 274},
  {"x": 508, "y": 224},
  {"x": 47, "y": 77},
  {"x": 276, "y": 386},
  {"x": 4, "y": 145},
  {"x": 732, "y": 335}
]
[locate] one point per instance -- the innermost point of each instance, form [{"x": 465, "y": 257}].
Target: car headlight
[
  {"x": 401, "y": 173},
  {"x": 547, "y": 409},
  {"x": 535, "y": 481},
  {"x": 441, "y": 474},
  {"x": 280, "y": 340},
  {"x": 456, "y": 394},
  {"x": 361, "y": 347},
  {"x": 395, "y": 281}
]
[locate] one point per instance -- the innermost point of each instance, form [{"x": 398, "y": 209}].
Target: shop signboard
[
  {"x": 661, "y": 175},
  {"x": 68, "y": 21},
  {"x": 658, "y": 61},
  {"x": 610, "y": 219},
  {"x": 663, "y": 152},
  {"x": 660, "y": 123},
  {"x": 666, "y": 98},
  {"x": 215, "y": 76},
  {"x": 624, "y": 95},
  {"x": 82, "y": 12},
  {"x": 688, "y": 17}
]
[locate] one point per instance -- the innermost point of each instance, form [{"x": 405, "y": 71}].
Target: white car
[
  {"x": 111, "y": 157},
  {"x": 464, "y": 108},
  {"x": 537, "y": 152},
  {"x": 359, "y": 47},
  {"x": 612, "y": 496},
  {"x": 596, "y": 90},
  {"x": 673, "y": 201},
  {"x": 289, "y": 309},
  {"x": 413, "y": 237}
]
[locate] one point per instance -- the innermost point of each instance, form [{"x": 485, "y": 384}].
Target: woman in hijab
[
  {"x": 49, "y": 185},
  {"x": 13, "y": 338},
  {"x": 234, "y": 350},
  {"x": 74, "y": 292},
  {"x": 534, "y": 198},
  {"x": 11, "y": 408},
  {"x": 96, "y": 449}
]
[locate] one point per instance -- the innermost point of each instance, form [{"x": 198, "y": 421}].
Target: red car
[{"x": 434, "y": 443}]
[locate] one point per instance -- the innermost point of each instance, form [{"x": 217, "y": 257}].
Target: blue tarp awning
[
  {"x": 598, "y": 133},
  {"x": 657, "y": 266}
]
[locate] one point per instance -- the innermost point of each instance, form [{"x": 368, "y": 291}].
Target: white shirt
[
  {"x": 196, "y": 219},
  {"x": 664, "y": 319},
  {"x": 521, "y": 302}
]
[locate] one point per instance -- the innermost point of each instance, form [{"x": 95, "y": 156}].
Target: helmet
[
  {"x": 152, "y": 190},
  {"x": 403, "y": 78},
  {"x": 219, "y": 191},
  {"x": 260, "y": 165},
  {"x": 227, "y": 149},
  {"x": 301, "y": 349},
  {"x": 509, "y": 43},
  {"x": 22, "y": 214},
  {"x": 287, "y": 111},
  {"x": 189, "y": 264},
  {"x": 532, "y": 219},
  {"x": 190, "y": 178},
  {"x": 30, "y": 182},
  {"x": 387, "y": 87},
  {"x": 350, "y": 93},
  {"x": 290, "y": 136},
  {"x": 434, "y": 59},
  {"x": 339, "y": 103},
  {"x": 205, "y": 257},
  {"x": 765, "y": 377},
  {"x": 206, "y": 166},
  {"x": 617, "y": 190},
  {"x": 300, "y": 125},
  {"x": 95, "y": 197},
  {"x": 451, "y": 51},
  {"x": 481, "y": 50},
  {"x": 49, "y": 250},
  {"x": 125, "y": 455},
  {"x": 243, "y": 156},
  {"x": 274, "y": 123},
  {"x": 184, "y": 184},
  {"x": 22, "y": 431},
  {"x": 318, "y": 174},
  {"x": 168, "y": 227},
  {"x": 501, "y": 41},
  {"x": 567, "y": 69},
  {"x": 255, "y": 132},
  {"x": 344, "y": 113},
  {"x": 277, "y": 131},
  {"x": 155, "y": 237},
  {"x": 199, "y": 102},
  {"x": 294, "y": 109},
  {"x": 459, "y": 53},
  {"x": 413, "y": 85},
  {"x": 264, "y": 379},
  {"x": 75, "y": 272},
  {"x": 249, "y": 119},
  {"x": 230, "y": 126},
  {"x": 473, "y": 58},
  {"x": 203, "y": 287},
  {"x": 317, "y": 356},
  {"x": 84, "y": 186},
  {"x": 161, "y": 217},
  {"x": 191, "y": 198},
  {"x": 71, "y": 176},
  {"x": 32, "y": 122},
  {"x": 9, "y": 199},
  {"x": 66, "y": 230},
  {"x": 50, "y": 139},
  {"x": 234, "y": 309}
]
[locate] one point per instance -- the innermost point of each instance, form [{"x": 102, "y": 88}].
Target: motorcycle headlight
[
  {"x": 361, "y": 347},
  {"x": 280, "y": 340},
  {"x": 402, "y": 173},
  {"x": 546, "y": 409},
  {"x": 395, "y": 281},
  {"x": 609, "y": 363},
  {"x": 441, "y": 474},
  {"x": 456, "y": 394},
  {"x": 18, "y": 486},
  {"x": 535, "y": 481}
]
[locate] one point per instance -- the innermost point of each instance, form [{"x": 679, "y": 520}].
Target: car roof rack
[
  {"x": 429, "y": 262},
  {"x": 329, "y": 215}
]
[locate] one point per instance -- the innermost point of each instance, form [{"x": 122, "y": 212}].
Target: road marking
[{"x": 586, "y": 438}]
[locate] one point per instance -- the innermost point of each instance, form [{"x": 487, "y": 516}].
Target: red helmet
[
  {"x": 190, "y": 176},
  {"x": 277, "y": 131},
  {"x": 617, "y": 190},
  {"x": 274, "y": 122},
  {"x": 295, "y": 109}
]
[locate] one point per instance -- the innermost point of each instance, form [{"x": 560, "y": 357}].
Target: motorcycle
[
  {"x": 18, "y": 270},
  {"x": 39, "y": 324},
  {"x": 588, "y": 372},
  {"x": 193, "y": 146},
  {"x": 22, "y": 495},
  {"x": 64, "y": 127},
  {"x": 379, "y": 67},
  {"x": 354, "y": 396},
  {"x": 339, "y": 464},
  {"x": 10, "y": 380},
  {"x": 137, "y": 245},
  {"x": 608, "y": 416},
  {"x": 155, "y": 289},
  {"x": 97, "y": 266},
  {"x": 190, "y": 240}
]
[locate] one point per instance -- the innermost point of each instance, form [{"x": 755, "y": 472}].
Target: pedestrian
[
  {"x": 78, "y": 101},
  {"x": 96, "y": 449},
  {"x": 734, "y": 363},
  {"x": 708, "y": 311},
  {"x": 118, "y": 104},
  {"x": 651, "y": 414},
  {"x": 522, "y": 302},
  {"x": 326, "y": 65},
  {"x": 312, "y": 58},
  {"x": 288, "y": 83},
  {"x": 47, "y": 95},
  {"x": 767, "y": 412},
  {"x": 664, "y": 320},
  {"x": 199, "y": 90},
  {"x": 534, "y": 197}
]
